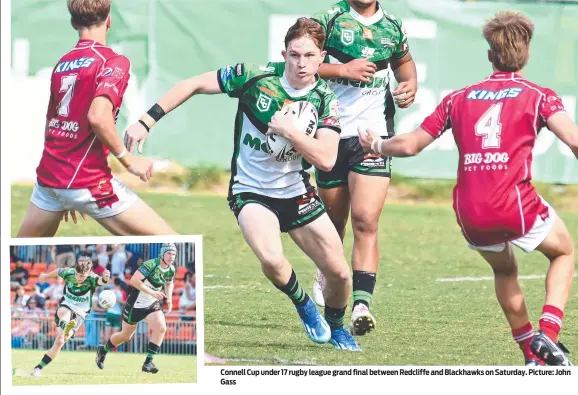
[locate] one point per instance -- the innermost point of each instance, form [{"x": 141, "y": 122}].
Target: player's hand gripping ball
[
  {"x": 107, "y": 299},
  {"x": 305, "y": 119}
]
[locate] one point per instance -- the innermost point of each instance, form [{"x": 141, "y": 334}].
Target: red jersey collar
[
  {"x": 86, "y": 43},
  {"x": 504, "y": 74}
]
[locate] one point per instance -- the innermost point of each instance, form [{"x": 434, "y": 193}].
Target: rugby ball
[
  {"x": 305, "y": 118},
  {"x": 107, "y": 299}
]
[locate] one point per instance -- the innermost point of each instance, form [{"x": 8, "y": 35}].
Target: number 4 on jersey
[
  {"x": 489, "y": 127},
  {"x": 67, "y": 85}
]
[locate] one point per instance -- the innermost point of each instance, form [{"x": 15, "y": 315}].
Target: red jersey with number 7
[
  {"x": 73, "y": 157},
  {"x": 495, "y": 124}
]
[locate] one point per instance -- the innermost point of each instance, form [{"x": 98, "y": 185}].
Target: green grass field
[
  {"x": 421, "y": 321},
  {"x": 78, "y": 367}
]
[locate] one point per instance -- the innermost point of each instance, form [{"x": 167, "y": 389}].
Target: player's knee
[
  {"x": 364, "y": 224},
  {"x": 339, "y": 275},
  {"x": 505, "y": 270},
  {"x": 59, "y": 342},
  {"x": 162, "y": 328},
  {"x": 272, "y": 261}
]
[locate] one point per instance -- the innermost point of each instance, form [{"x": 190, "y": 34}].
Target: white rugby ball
[
  {"x": 305, "y": 118},
  {"x": 107, "y": 299}
]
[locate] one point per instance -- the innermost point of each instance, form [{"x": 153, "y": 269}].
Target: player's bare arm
[
  {"x": 104, "y": 278},
  {"x": 565, "y": 129},
  {"x": 45, "y": 276},
  {"x": 101, "y": 119},
  {"x": 320, "y": 151},
  {"x": 356, "y": 70},
  {"x": 206, "y": 84},
  {"x": 403, "y": 145},
  {"x": 169, "y": 286},
  {"x": 405, "y": 74},
  {"x": 137, "y": 281}
]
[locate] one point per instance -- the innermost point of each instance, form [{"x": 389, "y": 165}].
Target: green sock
[
  {"x": 363, "y": 286},
  {"x": 292, "y": 289}
]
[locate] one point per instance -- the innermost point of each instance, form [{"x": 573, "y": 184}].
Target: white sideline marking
[
  {"x": 275, "y": 359},
  {"x": 222, "y": 286},
  {"x": 460, "y": 279}
]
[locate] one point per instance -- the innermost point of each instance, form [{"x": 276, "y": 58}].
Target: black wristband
[
  {"x": 156, "y": 112},
  {"x": 145, "y": 125}
]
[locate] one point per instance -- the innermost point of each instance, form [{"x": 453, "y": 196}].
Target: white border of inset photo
[{"x": 142, "y": 389}]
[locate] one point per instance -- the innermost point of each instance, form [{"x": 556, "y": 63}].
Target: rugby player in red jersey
[
  {"x": 86, "y": 93},
  {"x": 495, "y": 124}
]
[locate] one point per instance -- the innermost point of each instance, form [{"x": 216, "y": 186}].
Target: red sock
[
  {"x": 551, "y": 321},
  {"x": 523, "y": 336}
]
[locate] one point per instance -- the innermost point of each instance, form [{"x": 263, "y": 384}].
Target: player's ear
[
  {"x": 108, "y": 21},
  {"x": 284, "y": 54},
  {"x": 323, "y": 55},
  {"x": 490, "y": 56}
]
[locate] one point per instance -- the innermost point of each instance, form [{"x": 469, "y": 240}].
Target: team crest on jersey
[
  {"x": 367, "y": 52},
  {"x": 347, "y": 36},
  {"x": 263, "y": 102}
]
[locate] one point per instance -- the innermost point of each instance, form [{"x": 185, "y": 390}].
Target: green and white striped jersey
[
  {"x": 78, "y": 297},
  {"x": 379, "y": 38},
  {"x": 155, "y": 278},
  {"x": 262, "y": 91}
]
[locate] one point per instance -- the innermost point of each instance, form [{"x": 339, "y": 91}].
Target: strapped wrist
[{"x": 156, "y": 112}]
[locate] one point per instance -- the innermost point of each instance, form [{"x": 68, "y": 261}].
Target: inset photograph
[{"x": 103, "y": 313}]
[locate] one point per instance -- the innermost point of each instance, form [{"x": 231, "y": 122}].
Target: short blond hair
[
  {"x": 83, "y": 265},
  {"x": 87, "y": 13},
  {"x": 509, "y": 33}
]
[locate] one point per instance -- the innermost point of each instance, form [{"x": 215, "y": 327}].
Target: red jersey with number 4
[
  {"x": 495, "y": 124},
  {"x": 73, "y": 157}
]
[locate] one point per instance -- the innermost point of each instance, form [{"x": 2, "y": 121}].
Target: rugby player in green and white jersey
[
  {"x": 362, "y": 41},
  {"x": 79, "y": 286},
  {"x": 270, "y": 195},
  {"x": 151, "y": 283}
]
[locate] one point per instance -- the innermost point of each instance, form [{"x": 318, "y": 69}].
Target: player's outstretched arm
[
  {"x": 102, "y": 123},
  {"x": 137, "y": 281},
  {"x": 45, "y": 276},
  {"x": 320, "y": 151},
  {"x": 565, "y": 129},
  {"x": 404, "y": 145},
  {"x": 405, "y": 74},
  {"x": 137, "y": 133},
  {"x": 104, "y": 278}
]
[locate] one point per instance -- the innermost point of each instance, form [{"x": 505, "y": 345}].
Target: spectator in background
[
  {"x": 133, "y": 263},
  {"x": 20, "y": 299},
  {"x": 120, "y": 256},
  {"x": 103, "y": 255},
  {"x": 39, "y": 297},
  {"x": 18, "y": 276},
  {"x": 91, "y": 324},
  {"x": 65, "y": 256},
  {"x": 114, "y": 314},
  {"x": 56, "y": 290},
  {"x": 188, "y": 299}
]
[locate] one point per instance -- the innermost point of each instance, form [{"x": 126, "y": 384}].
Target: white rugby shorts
[
  {"x": 531, "y": 240},
  {"x": 85, "y": 201}
]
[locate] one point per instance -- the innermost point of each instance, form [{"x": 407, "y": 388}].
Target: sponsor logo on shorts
[
  {"x": 373, "y": 161},
  {"x": 309, "y": 207}
]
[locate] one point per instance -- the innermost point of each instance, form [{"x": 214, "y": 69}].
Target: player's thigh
[
  {"x": 320, "y": 241},
  {"x": 502, "y": 262},
  {"x": 368, "y": 193},
  {"x": 63, "y": 313},
  {"x": 138, "y": 220},
  {"x": 558, "y": 241},
  {"x": 261, "y": 230},
  {"x": 336, "y": 201},
  {"x": 39, "y": 222},
  {"x": 156, "y": 321}
]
